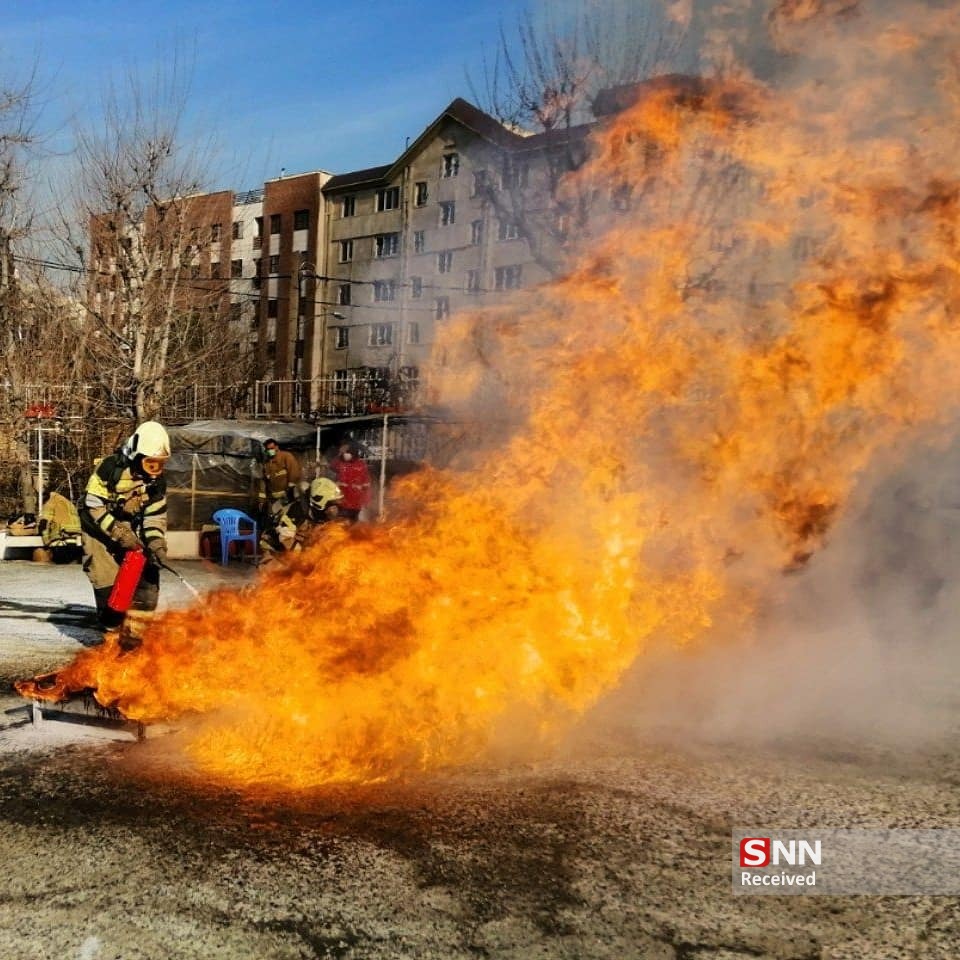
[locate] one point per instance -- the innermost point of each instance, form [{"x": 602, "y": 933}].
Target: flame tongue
[{"x": 707, "y": 383}]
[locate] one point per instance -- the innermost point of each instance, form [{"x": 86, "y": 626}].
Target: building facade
[
  {"x": 350, "y": 276},
  {"x": 452, "y": 224}
]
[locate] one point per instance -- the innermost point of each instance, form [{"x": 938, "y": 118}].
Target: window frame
[
  {"x": 386, "y": 287},
  {"x": 450, "y": 165},
  {"x": 508, "y": 277},
  {"x": 381, "y": 334},
  {"x": 386, "y": 245},
  {"x": 388, "y": 198}
]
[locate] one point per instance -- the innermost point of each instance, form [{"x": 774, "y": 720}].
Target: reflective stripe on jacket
[{"x": 114, "y": 493}]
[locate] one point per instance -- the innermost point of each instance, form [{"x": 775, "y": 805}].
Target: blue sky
[{"x": 300, "y": 86}]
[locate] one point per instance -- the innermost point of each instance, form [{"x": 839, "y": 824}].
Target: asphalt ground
[{"x": 618, "y": 847}]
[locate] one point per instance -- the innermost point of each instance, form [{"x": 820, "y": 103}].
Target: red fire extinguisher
[{"x": 128, "y": 579}]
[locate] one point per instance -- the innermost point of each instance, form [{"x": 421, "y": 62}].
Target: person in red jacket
[{"x": 353, "y": 478}]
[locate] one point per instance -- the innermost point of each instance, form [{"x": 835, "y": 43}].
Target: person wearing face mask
[
  {"x": 124, "y": 508},
  {"x": 281, "y": 474},
  {"x": 353, "y": 479}
]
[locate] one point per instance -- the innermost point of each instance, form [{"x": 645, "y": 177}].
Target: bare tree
[
  {"x": 547, "y": 74},
  {"x": 552, "y": 76},
  {"x": 148, "y": 238},
  {"x": 24, "y": 320}
]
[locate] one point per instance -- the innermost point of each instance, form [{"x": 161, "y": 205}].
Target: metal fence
[
  {"x": 71, "y": 424},
  {"x": 354, "y": 394}
]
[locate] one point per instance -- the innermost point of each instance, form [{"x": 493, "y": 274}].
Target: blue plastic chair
[{"x": 229, "y": 523}]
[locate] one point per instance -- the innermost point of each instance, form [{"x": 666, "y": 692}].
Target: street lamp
[{"x": 304, "y": 272}]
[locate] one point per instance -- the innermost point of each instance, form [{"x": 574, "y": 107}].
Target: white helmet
[{"x": 149, "y": 448}]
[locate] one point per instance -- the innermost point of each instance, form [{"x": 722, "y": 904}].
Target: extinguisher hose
[{"x": 189, "y": 586}]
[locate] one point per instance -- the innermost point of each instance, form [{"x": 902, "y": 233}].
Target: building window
[
  {"x": 343, "y": 294},
  {"x": 194, "y": 271},
  {"x": 272, "y": 307},
  {"x": 476, "y": 232},
  {"x": 445, "y": 261},
  {"x": 448, "y": 213},
  {"x": 386, "y": 244},
  {"x": 416, "y": 287},
  {"x": 301, "y": 220},
  {"x": 513, "y": 176},
  {"x": 507, "y": 278},
  {"x": 276, "y": 222},
  {"x": 236, "y": 268},
  {"x": 343, "y": 338},
  {"x": 384, "y": 290},
  {"x": 346, "y": 251},
  {"x": 348, "y": 206},
  {"x": 451, "y": 165},
  {"x": 420, "y": 193},
  {"x": 273, "y": 264},
  {"x": 215, "y": 231},
  {"x": 473, "y": 281},
  {"x": 215, "y": 270},
  {"x": 388, "y": 199},
  {"x": 381, "y": 334},
  {"x": 419, "y": 241},
  {"x": 237, "y": 229},
  {"x": 271, "y": 355},
  {"x": 413, "y": 332},
  {"x": 508, "y": 230},
  {"x": 442, "y": 307},
  {"x": 479, "y": 182}
]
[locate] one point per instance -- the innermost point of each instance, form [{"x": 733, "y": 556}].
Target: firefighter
[
  {"x": 325, "y": 497},
  {"x": 292, "y": 523},
  {"x": 281, "y": 475},
  {"x": 125, "y": 508},
  {"x": 60, "y": 529}
]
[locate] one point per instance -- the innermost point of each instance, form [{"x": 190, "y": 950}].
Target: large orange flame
[{"x": 677, "y": 419}]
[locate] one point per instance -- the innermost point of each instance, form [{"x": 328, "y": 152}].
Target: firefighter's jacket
[
  {"x": 114, "y": 493},
  {"x": 59, "y": 521},
  {"x": 279, "y": 472}
]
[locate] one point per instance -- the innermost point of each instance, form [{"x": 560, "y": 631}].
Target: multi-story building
[
  {"x": 457, "y": 220},
  {"x": 318, "y": 275}
]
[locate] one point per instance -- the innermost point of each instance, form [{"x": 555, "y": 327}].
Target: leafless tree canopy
[
  {"x": 548, "y": 69},
  {"x": 137, "y": 221}
]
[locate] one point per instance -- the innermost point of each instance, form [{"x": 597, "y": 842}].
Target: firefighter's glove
[
  {"x": 291, "y": 494},
  {"x": 157, "y": 551},
  {"x": 122, "y": 534}
]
